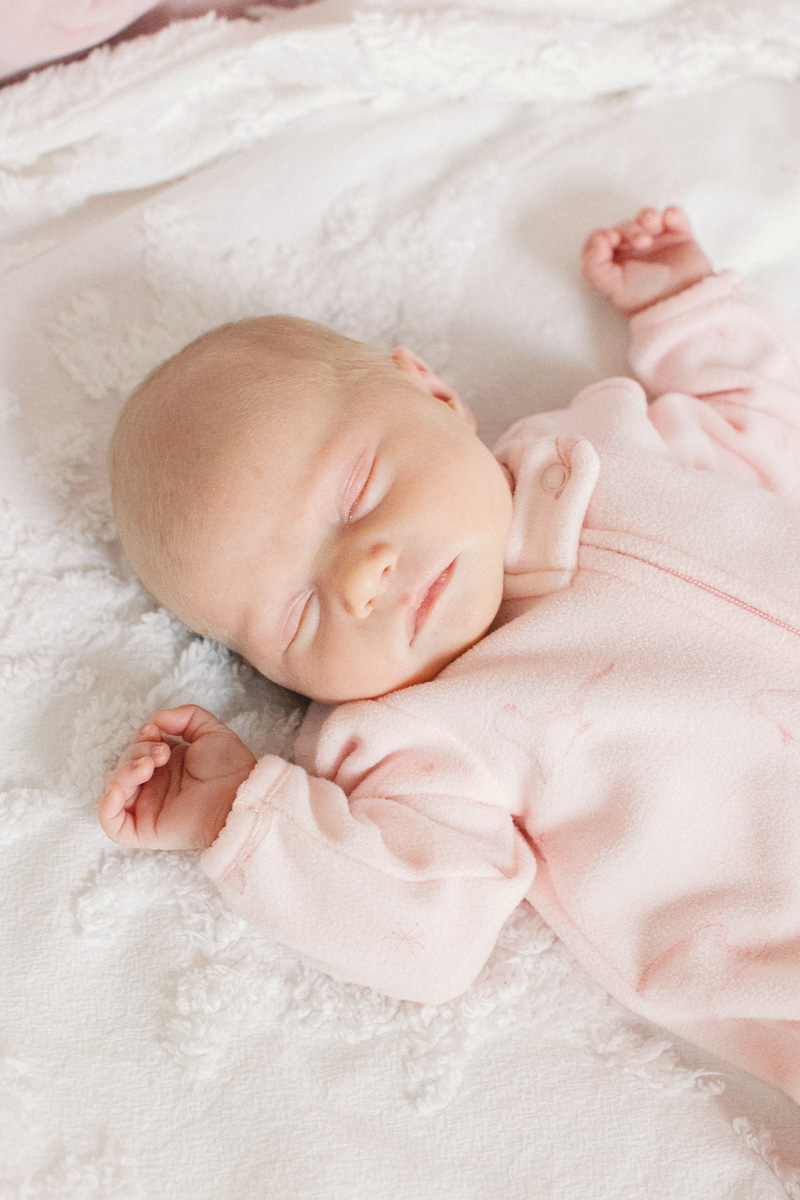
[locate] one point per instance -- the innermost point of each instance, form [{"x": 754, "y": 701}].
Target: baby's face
[{"x": 355, "y": 546}]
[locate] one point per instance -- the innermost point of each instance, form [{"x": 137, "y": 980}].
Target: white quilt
[{"x": 407, "y": 173}]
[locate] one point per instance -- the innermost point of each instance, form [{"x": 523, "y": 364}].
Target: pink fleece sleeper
[{"x": 622, "y": 750}]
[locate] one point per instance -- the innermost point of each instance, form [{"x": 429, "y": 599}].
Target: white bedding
[{"x": 407, "y": 173}]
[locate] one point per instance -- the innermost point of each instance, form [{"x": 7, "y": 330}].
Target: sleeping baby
[{"x": 566, "y": 672}]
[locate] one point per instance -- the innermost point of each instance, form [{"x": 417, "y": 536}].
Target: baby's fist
[
  {"x": 642, "y": 261},
  {"x": 174, "y": 786}
]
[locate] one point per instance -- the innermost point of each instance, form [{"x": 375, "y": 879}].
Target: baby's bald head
[{"x": 191, "y": 419}]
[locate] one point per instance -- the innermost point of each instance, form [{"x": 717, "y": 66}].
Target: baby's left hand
[
  {"x": 639, "y": 262},
  {"x": 174, "y": 786}
]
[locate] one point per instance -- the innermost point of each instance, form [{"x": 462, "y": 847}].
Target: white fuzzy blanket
[{"x": 421, "y": 175}]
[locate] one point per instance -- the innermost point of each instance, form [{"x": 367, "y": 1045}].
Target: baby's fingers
[
  {"x": 158, "y": 751},
  {"x": 116, "y": 805},
  {"x": 601, "y": 244},
  {"x": 597, "y": 261},
  {"x": 676, "y": 220},
  {"x": 130, "y": 773},
  {"x": 113, "y": 806},
  {"x": 635, "y": 235},
  {"x": 650, "y": 220},
  {"x": 149, "y": 732}
]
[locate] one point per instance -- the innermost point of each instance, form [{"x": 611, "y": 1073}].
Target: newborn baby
[{"x": 565, "y": 672}]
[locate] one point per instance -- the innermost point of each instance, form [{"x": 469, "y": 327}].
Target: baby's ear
[{"x": 423, "y": 377}]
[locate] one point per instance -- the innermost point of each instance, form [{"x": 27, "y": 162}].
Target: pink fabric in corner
[{"x": 40, "y": 32}]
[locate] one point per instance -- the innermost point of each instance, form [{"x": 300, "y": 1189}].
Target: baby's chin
[{"x": 339, "y": 691}]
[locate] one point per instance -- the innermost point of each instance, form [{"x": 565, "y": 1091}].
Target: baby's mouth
[{"x": 418, "y": 614}]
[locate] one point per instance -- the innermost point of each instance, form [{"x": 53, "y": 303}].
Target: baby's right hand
[{"x": 175, "y": 784}]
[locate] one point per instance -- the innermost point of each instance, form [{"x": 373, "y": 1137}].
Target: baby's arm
[
  {"x": 724, "y": 376},
  {"x": 175, "y": 784},
  {"x": 398, "y": 874}
]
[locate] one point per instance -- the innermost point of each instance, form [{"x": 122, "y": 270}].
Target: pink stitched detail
[
  {"x": 261, "y": 820},
  {"x": 782, "y": 708},
  {"x": 546, "y": 737},
  {"x": 407, "y": 938},
  {"x": 701, "y": 969},
  {"x": 749, "y": 408},
  {"x": 707, "y": 587}
]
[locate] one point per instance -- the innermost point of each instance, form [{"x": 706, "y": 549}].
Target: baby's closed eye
[
  {"x": 298, "y": 611},
  {"x": 357, "y": 491}
]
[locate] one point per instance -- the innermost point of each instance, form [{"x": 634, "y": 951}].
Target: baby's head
[{"x": 322, "y": 508}]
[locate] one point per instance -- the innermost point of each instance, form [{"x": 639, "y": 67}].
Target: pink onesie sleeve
[
  {"x": 726, "y": 381},
  {"x": 398, "y": 875}
]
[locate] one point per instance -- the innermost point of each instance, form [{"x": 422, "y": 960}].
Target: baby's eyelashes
[
  {"x": 357, "y": 488},
  {"x": 298, "y": 613}
]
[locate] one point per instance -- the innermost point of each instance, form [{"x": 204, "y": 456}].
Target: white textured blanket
[{"x": 421, "y": 175}]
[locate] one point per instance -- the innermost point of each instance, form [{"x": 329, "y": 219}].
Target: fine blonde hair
[{"x": 189, "y": 410}]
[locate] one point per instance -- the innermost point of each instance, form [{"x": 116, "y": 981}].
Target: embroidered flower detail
[
  {"x": 408, "y": 938},
  {"x": 546, "y": 736}
]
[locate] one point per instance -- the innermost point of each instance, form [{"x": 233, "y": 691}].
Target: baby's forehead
[
  {"x": 236, "y": 408},
  {"x": 276, "y": 438},
  {"x": 231, "y": 399}
]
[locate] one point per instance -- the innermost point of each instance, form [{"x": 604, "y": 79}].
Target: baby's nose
[{"x": 364, "y": 576}]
